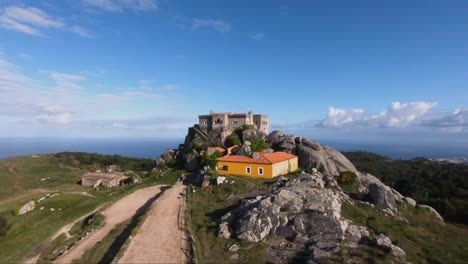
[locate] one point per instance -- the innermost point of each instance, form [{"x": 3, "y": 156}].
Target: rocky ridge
[{"x": 302, "y": 217}]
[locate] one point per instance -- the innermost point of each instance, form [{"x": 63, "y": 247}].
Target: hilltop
[{"x": 333, "y": 209}]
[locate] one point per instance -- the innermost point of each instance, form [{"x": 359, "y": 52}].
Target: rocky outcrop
[
  {"x": 311, "y": 153},
  {"x": 252, "y": 133},
  {"x": 410, "y": 201},
  {"x": 431, "y": 210},
  {"x": 382, "y": 197},
  {"x": 379, "y": 194},
  {"x": 245, "y": 149},
  {"x": 26, "y": 208},
  {"x": 304, "y": 215},
  {"x": 299, "y": 215}
]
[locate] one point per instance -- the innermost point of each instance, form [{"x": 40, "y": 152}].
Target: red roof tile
[{"x": 271, "y": 158}]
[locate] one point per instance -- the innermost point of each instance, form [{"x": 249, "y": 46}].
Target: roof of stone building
[
  {"x": 264, "y": 158},
  {"x": 223, "y": 113}
]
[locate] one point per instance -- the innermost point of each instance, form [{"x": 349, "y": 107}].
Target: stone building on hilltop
[
  {"x": 229, "y": 121},
  {"x": 97, "y": 179}
]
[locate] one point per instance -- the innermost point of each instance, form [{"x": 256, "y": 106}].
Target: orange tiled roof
[
  {"x": 271, "y": 158},
  {"x": 276, "y": 157},
  {"x": 222, "y": 150}
]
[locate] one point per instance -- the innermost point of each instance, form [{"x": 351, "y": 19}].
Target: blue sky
[{"x": 357, "y": 70}]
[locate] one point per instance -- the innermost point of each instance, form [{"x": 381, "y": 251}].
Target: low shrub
[
  {"x": 347, "y": 177},
  {"x": 4, "y": 226},
  {"x": 258, "y": 144}
]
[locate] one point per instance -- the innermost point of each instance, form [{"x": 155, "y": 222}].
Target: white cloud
[
  {"x": 10, "y": 78},
  {"x": 140, "y": 5},
  {"x": 338, "y": 117},
  {"x": 120, "y": 5},
  {"x": 400, "y": 115},
  {"x": 67, "y": 82},
  {"x": 119, "y": 125},
  {"x": 456, "y": 120},
  {"x": 258, "y": 36},
  {"x": 34, "y": 107},
  {"x": 217, "y": 25},
  {"x": 56, "y": 118},
  {"x": 397, "y": 115},
  {"x": 80, "y": 31},
  {"x": 107, "y": 5},
  {"x": 28, "y": 20}
]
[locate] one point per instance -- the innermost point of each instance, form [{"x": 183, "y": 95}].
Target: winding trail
[
  {"x": 161, "y": 237},
  {"x": 117, "y": 213}
]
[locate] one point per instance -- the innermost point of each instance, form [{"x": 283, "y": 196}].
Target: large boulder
[
  {"x": 287, "y": 144},
  {"x": 191, "y": 162},
  {"x": 301, "y": 211},
  {"x": 272, "y": 138},
  {"x": 252, "y": 133},
  {"x": 169, "y": 155},
  {"x": 245, "y": 149},
  {"x": 311, "y": 153},
  {"x": 382, "y": 197},
  {"x": 431, "y": 210},
  {"x": 28, "y": 207},
  {"x": 331, "y": 161},
  {"x": 410, "y": 201}
]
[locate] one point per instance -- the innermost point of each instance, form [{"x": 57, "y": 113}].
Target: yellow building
[{"x": 263, "y": 165}]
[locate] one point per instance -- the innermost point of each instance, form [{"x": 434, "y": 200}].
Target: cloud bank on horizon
[{"x": 147, "y": 68}]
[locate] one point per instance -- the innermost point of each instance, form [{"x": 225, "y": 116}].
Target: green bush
[
  {"x": 213, "y": 173},
  {"x": 232, "y": 140},
  {"x": 258, "y": 144},
  {"x": 347, "y": 177},
  {"x": 93, "y": 161},
  {"x": 4, "y": 226},
  {"x": 210, "y": 160},
  {"x": 439, "y": 184}
]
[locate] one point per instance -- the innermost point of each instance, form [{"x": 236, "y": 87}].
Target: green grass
[
  {"x": 20, "y": 182},
  {"x": 30, "y": 172},
  {"x": 424, "y": 239},
  {"x": 205, "y": 206},
  {"x": 61, "y": 243},
  {"x": 96, "y": 253},
  {"x": 31, "y": 229},
  {"x": 170, "y": 177}
]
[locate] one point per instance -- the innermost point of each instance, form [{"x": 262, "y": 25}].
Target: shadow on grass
[{"x": 114, "y": 249}]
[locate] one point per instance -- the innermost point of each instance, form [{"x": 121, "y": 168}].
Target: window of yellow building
[
  {"x": 260, "y": 171},
  {"x": 248, "y": 170}
]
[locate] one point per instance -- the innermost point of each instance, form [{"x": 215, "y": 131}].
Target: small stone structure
[
  {"x": 96, "y": 179},
  {"x": 229, "y": 121}
]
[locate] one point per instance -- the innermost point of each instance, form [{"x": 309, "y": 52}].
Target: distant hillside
[
  {"x": 440, "y": 184},
  {"x": 34, "y": 178}
]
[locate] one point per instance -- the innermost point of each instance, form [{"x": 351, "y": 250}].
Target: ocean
[{"x": 152, "y": 148}]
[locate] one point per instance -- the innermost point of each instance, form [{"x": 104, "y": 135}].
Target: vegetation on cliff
[{"x": 443, "y": 186}]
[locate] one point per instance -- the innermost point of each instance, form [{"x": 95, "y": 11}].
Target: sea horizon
[{"x": 151, "y": 148}]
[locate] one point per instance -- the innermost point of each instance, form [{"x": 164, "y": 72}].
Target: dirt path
[
  {"x": 120, "y": 211},
  {"x": 34, "y": 257},
  {"x": 160, "y": 239}
]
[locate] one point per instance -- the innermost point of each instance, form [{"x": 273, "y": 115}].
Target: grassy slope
[
  {"x": 25, "y": 173},
  {"x": 29, "y": 230},
  {"x": 207, "y": 205},
  {"x": 424, "y": 239}
]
